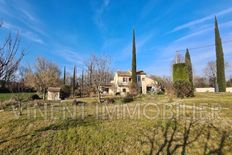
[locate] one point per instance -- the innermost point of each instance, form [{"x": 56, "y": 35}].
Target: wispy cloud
[
  {"x": 201, "y": 20},
  {"x": 33, "y": 37},
  {"x": 98, "y": 17},
  {"x": 28, "y": 15},
  {"x": 71, "y": 56},
  {"x": 29, "y": 35},
  {"x": 200, "y": 56},
  {"x": 205, "y": 29},
  {"x": 188, "y": 36},
  {"x": 25, "y": 22}
]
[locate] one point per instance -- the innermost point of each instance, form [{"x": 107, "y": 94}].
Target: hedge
[
  {"x": 183, "y": 88},
  {"x": 180, "y": 72}
]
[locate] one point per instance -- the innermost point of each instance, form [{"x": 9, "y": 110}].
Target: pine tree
[
  {"x": 220, "y": 68},
  {"x": 74, "y": 81},
  {"x": 134, "y": 75},
  {"x": 190, "y": 70},
  {"x": 64, "y": 82}
]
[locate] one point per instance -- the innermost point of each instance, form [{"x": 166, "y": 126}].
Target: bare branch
[{"x": 10, "y": 57}]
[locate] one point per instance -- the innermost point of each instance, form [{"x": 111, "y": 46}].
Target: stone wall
[{"x": 211, "y": 89}]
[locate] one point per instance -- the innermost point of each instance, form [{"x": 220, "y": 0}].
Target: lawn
[
  {"x": 7, "y": 96},
  {"x": 147, "y": 125}
]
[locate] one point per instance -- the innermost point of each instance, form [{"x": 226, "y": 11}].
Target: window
[
  {"x": 130, "y": 79},
  {"x": 138, "y": 78},
  {"x": 106, "y": 90},
  {"x": 124, "y": 79},
  {"x": 124, "y": 90}
]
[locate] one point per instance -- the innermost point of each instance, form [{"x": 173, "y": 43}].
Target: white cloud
[
  {"x": 98, "y": 17},
  {"x": 200, "y": 56},
  {"x": 27, "y": 34},
  {"x": 205, "y": 29},
  {"x": 71, "y": 56},
  {"x": 24, "y": 19},
  {"x": 202, "y": 20},
  {"x": 33, "y": 37},
  {"x": 188, "y": 36},
  {"x": 28, "y": 15}
]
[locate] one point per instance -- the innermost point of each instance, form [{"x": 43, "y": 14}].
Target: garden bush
[
  {"x": 180, "y": 72},
  {"x": 34, "y": 97},
  {"x": 127, "y": 98},
  {"x": 183, "y": 88},
  {"x": 65, "y": 92},
  {"x": 77, "y": 102}
]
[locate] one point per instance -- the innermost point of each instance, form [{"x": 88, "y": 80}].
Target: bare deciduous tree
[
  {"x": 200, "y": 82},
  {"x": 98, "y": 72},
  {"x": 10, "y": 57},
  {"x": 47, "y": 74},
  {"x": 178, "y": 58},
  {"x": 211, "y": 72},
  {"x": 166, "y": 84}
]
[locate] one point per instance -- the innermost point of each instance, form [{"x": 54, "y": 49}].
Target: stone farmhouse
[{"x": 122, "y": 81}]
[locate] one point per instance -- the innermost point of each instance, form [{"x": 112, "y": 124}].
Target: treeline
[
  {"x": 97, "y": 71},
  {"x": 45, "y": 74}
]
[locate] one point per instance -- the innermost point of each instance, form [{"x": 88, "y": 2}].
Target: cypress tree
[
  {"x": 74, "y": 81},
  {"x": 82, "y": 82},
  {"x": 64, "y": 82},
  {"x": 134, "y": 75},
  {"x": 189, "y": 68},
  {"x": 220, "y": 68}
]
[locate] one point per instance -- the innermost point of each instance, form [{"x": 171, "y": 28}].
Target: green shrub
[
  {"x": 161, "y": 92},
  {"x": 65, "y": 92},
  {"x": 180, "y": 72},
  {"x": 183, "y": 88},
  {"x": 127, "y": 98},
  {"x": 34, "y": 97}
]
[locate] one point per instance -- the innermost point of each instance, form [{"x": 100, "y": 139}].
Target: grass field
[
  {"x": 199, "y": 125},
  {"x": 7, "y": 96}
]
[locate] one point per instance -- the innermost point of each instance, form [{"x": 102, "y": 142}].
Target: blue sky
[{"x": 67, "y": 32}]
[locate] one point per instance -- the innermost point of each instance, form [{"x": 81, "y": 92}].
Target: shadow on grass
[{"x": 70, "y": 123}]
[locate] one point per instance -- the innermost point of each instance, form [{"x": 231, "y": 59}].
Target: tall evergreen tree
[
  {"x": 190, "y": 70},
  {"x": 74, "y": 81},
  {"x": 134, "y": 75},
  {"x": 82, "y": 82},
  {"x": 64, "y": 82},
  {"x": 221, "y": 81}
]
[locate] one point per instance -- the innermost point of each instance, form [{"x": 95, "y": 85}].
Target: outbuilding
[{"x": 53, "y": 94}]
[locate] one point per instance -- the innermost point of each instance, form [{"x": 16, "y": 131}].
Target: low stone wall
[
  {"x": 211, "y": 89},
  {"x": 229, "y": 89},
  {"x": 203, "y": 90}
]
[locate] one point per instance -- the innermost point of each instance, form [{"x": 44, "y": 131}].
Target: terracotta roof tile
[
  {"x": 54, "y": 89},
  {"x": 128, "y": 73}
]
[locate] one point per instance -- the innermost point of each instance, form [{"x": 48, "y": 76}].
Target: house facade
[{"x": 122, "y": 82}]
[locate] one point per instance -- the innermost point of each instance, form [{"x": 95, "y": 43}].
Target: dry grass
[{"x": 111, "y": 133}]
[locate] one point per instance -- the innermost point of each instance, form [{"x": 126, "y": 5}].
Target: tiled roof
[
  {"x": 128, "y": 73},
  {"x": 123, "y": 73},
  {"x": 141, "y": 72},
  {"x": 106, "y": 85},
  {"x": 54, "y": 89}
]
